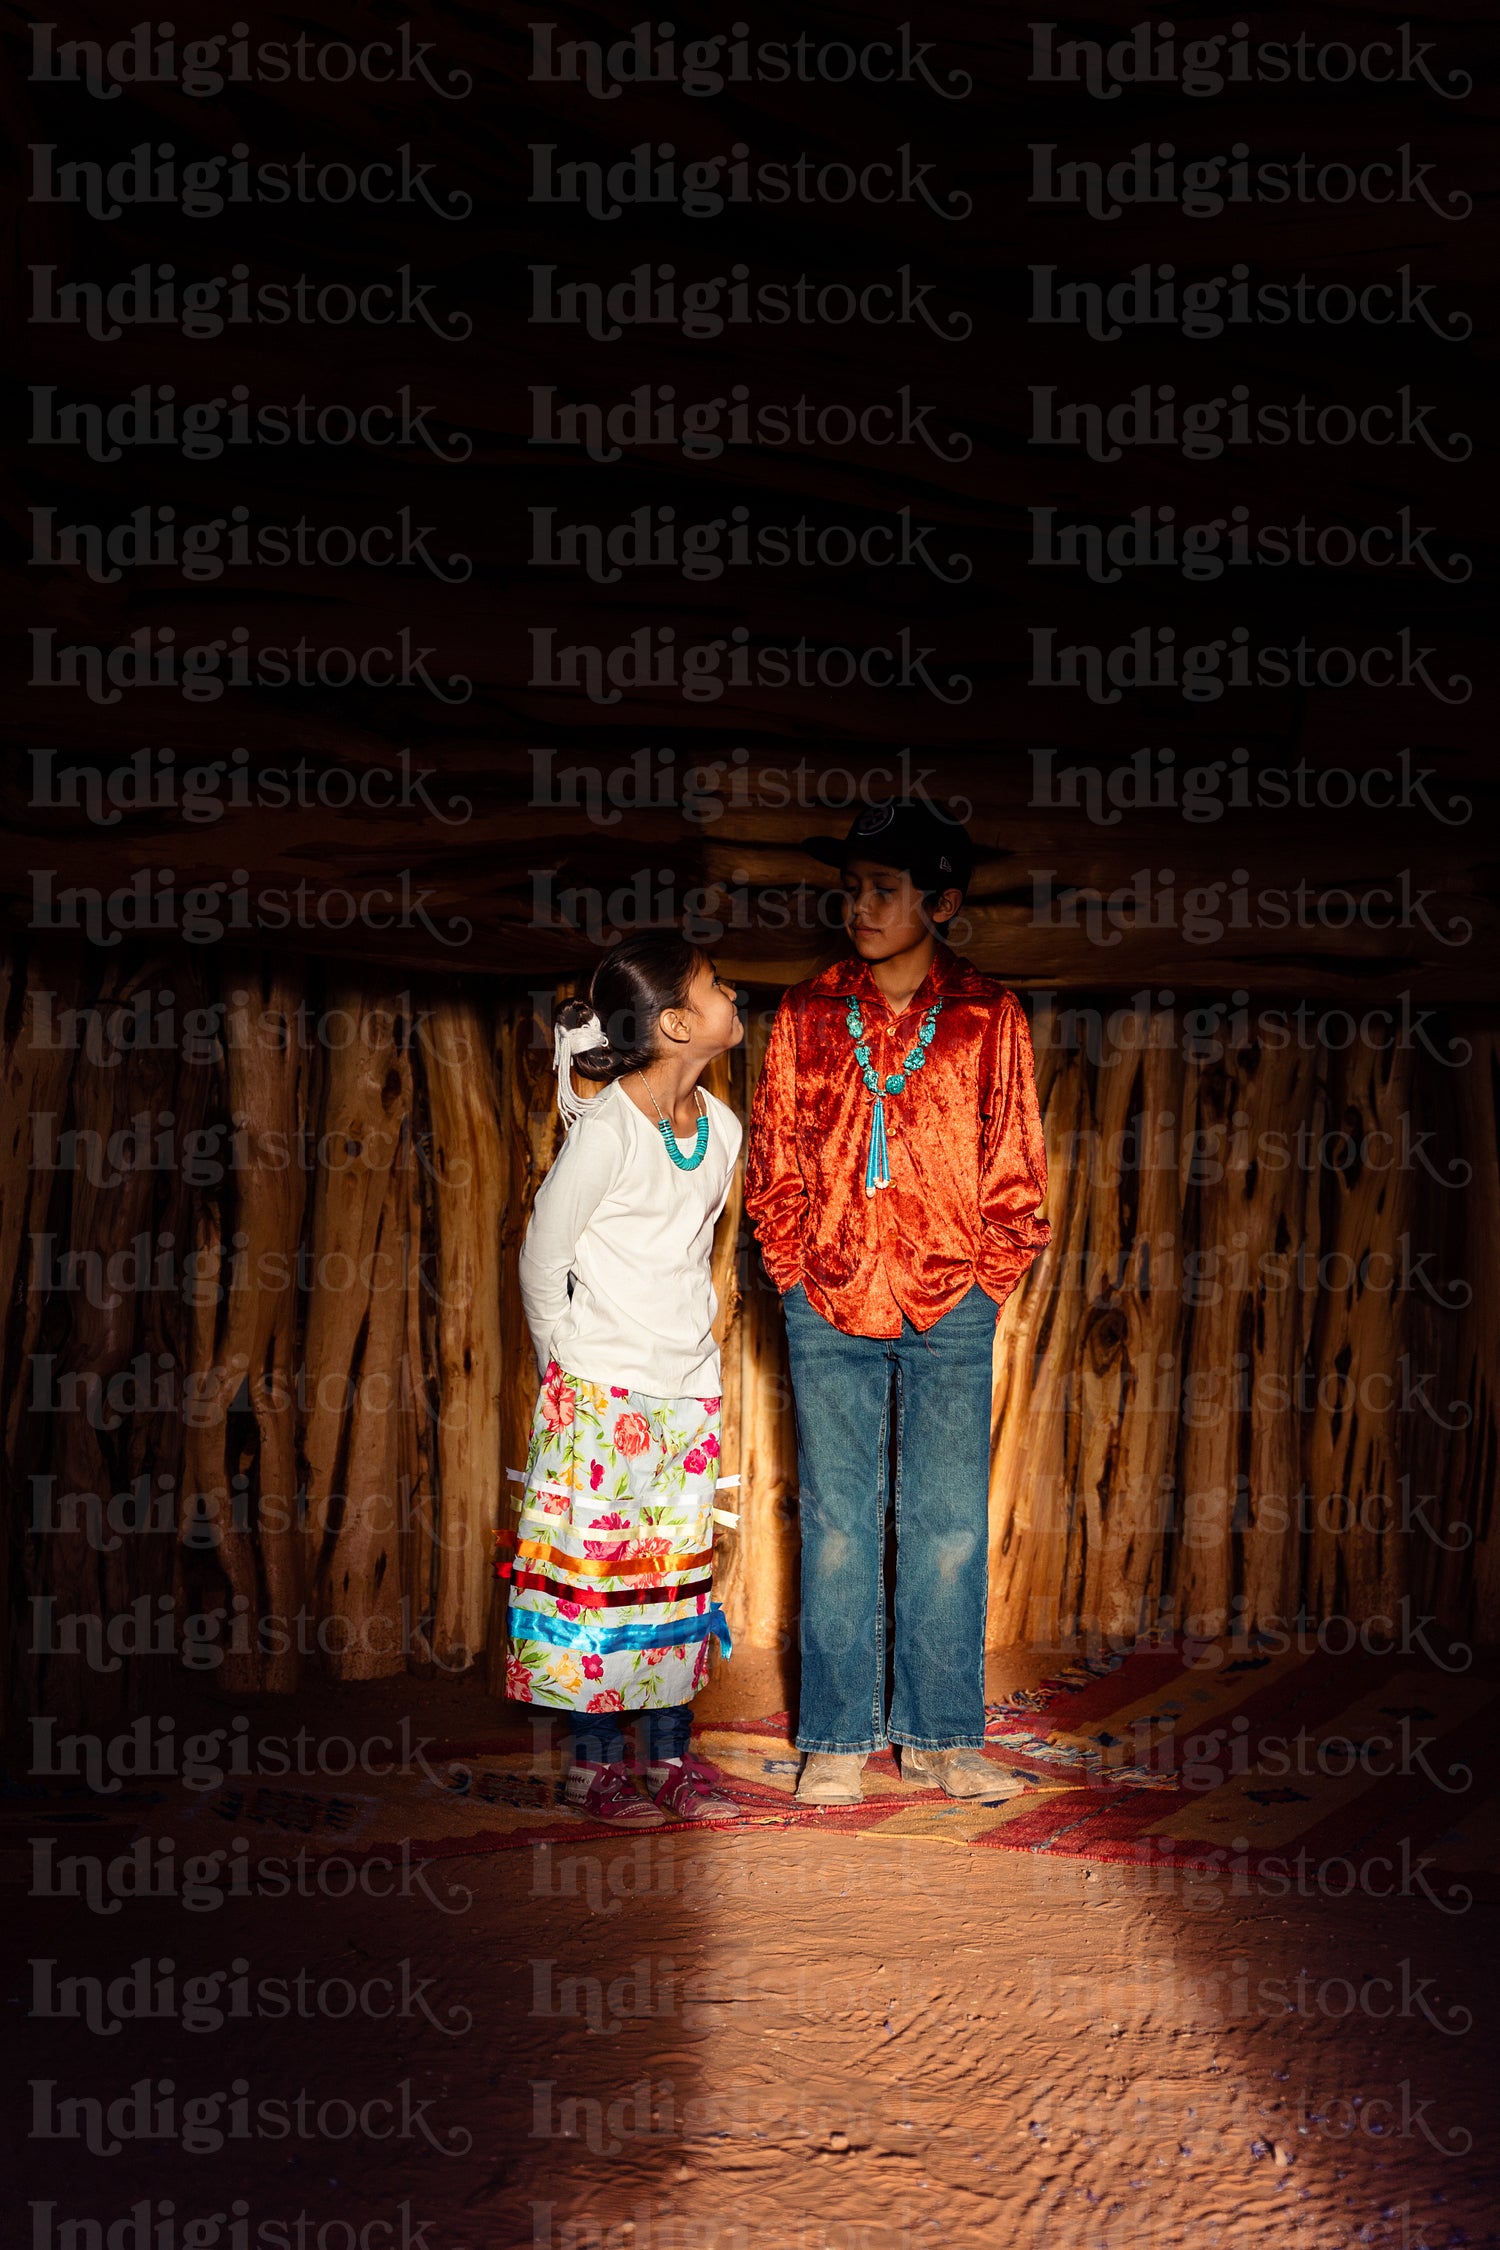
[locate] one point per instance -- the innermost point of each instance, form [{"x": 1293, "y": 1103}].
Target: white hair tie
[{"x": 569, "y": 1040}]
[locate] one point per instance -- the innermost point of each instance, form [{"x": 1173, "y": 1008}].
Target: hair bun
[{"x": 584, "y": 1034}]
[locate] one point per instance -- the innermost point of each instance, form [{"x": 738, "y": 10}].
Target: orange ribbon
[{"x": 590, "y": 1566}]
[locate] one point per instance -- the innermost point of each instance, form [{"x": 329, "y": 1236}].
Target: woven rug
[{"x": 1177, "y": 1759}]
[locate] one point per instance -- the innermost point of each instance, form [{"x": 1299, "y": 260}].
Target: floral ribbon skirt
[{"x": 610, "y": 1562}]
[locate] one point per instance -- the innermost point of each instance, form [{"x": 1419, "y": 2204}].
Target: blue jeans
[
  {"x": 940, "y": 1382},
  {"x": 597, "y": 1738}
]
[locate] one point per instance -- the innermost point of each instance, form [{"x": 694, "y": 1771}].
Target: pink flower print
[
  {"x": 649, "y": 1554},
  {"x": 655, "y": 1655},
  {"x": 558, "y": 1399},
  {"x": 615, "y": 1522},
  {"x": 711, "y": 1448},
  {"x": 600, "y": 1550},
  {"x": 517, "y": 1681},
  {"x": 631, "y": 1434},
  {"x": 554, "y": 1505},
  {"x": 596, "y": 1475},
  {"x": 695, "y": 1462},
  {"x": 569, "y": 1609},
  {"x": 710, "y": 1405},
  {"x": 615, "y": 1393},
  {"x": 593, "y": 1667},
  {"x": 609, "y": 1700}
]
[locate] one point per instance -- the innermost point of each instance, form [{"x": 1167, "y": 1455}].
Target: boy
[{"x": 895, "y": 1175}]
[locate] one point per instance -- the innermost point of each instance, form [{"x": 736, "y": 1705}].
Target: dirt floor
[{"x": 781, "y": 2039}]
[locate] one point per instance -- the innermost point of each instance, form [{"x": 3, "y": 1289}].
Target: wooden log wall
[{"x": 266, "y": 1369}]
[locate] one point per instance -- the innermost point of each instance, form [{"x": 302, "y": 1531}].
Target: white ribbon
[{"x": 568, "y": 1041}]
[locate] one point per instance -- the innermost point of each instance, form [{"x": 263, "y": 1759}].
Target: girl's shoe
[
  {"x": 685, "y": 1789},
  {"x": 609, "y": 1794},
  {"x": 960, "y": 1773},
  {"x": 830, "y": 1777}
]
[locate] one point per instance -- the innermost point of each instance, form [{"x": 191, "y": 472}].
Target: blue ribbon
[
  {"x": 877, "y": 1164},
  {"x": 605, "y": 1640}
]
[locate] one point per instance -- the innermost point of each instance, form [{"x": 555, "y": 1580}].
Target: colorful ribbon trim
[
  {"x": 619, "y": 1563},
  {"x": 593, "y": 1597},
  {"x": 604, "y": 1640}
]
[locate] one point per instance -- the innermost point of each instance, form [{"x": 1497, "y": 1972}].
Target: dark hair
[{"x": 632, "y": 985}]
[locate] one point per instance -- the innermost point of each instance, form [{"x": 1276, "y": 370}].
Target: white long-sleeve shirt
[{"x": 633, "y": 1234}]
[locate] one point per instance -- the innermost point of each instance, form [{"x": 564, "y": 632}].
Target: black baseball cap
[{"x": 923, "y": 839}]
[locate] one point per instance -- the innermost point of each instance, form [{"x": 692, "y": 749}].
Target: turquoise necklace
[
  {"x": 877, "y": 1163},
  {"x": 669, "y": 1138}
]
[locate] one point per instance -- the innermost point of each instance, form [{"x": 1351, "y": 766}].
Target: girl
[{"x": 609, "y": 1564}]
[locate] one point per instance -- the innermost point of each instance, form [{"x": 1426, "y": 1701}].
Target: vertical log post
[
  {"x": 468, "y": 1183},
  {"x": 354, "y": 1377},
  {"x": 1356, "y": 1415},
  {"x": 240, "y": 1483},
  {"x": 1254, "y": 1222},
  {"x": 1034, "y": 1418}
]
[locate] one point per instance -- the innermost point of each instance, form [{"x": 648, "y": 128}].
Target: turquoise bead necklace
[
  {"x": 669, "y": 1137},
  {"x": 877, "y": 1162}
]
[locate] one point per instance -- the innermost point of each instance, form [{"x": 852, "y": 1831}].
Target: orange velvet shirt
[{"x": 968, "y": 1165}]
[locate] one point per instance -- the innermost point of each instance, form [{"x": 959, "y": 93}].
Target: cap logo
[{"x": 874, "y": 819}]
